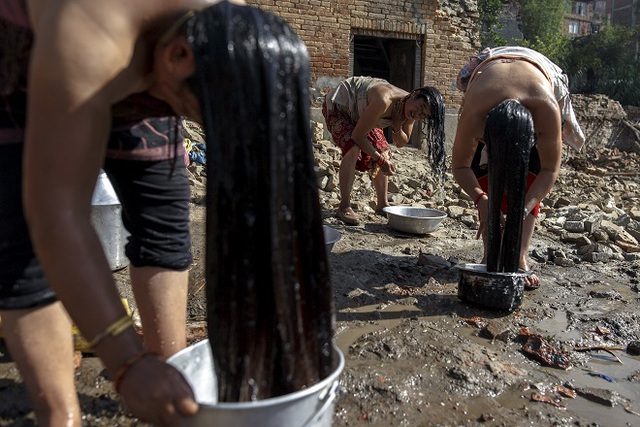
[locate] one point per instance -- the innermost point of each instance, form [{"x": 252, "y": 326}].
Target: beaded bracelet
[
  {"x": 113, "y": 330},
  {"x": 381, "y": 160},
  {"x": 127, "y": 365},
  {"x": 475, "y": 202}
]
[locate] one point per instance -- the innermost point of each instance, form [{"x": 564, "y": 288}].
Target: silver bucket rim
[{"x": 329, "y": 383}]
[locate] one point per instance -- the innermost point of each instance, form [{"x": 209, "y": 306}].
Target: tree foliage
[
  {"x": 489, "y": 11},
  {"x": 542, "y": 27},
  {"x": 541, "y": 19},
  {"x": 605, "y": 62}
]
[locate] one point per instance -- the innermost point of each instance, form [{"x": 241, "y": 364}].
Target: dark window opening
[{"x": 396, "y": 60}]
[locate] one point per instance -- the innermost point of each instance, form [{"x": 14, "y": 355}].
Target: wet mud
[
  {"x": 417, "y": 355},
  {"x": 432, "y": 359}
]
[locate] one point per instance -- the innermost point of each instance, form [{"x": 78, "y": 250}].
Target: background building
[
  {"x": 585, "y": 17},
  {"x": 623, "y": 12},
  {"x": 410, "y": 43},
  {"x": 627, "y": 13}
]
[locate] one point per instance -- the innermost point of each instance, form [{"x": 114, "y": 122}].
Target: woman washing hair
[
  {"x": 515, "y": 99},
  {"x": 85, "y": 67},
  {"x": 357, "y": 110}
]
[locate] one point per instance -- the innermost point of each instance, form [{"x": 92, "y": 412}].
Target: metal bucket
[
  {"x": 331, "y": 237},
  {"x": 106, "y": 219},
  {"x": 503, "y": 291},
  {"x": 311, "y": 407}
]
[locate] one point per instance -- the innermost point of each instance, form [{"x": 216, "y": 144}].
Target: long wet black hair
[
  {"x": 269, "y": 296},
  {"x": 434, "y": 130},
  {"x": 509, "y": 136}
]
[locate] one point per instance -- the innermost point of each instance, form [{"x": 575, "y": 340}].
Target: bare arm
[
  {"x": 375, "y": 109},
  {"x": 78, "y": 70},
  {"x": 67, "y": 129},
  {"x": 401, "y": 136},
  {"x": 547, "y": 123},
  {"x": 470, "y": 128}
]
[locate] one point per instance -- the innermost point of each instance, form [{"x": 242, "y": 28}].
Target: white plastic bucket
[{"x": 312, "y": 407}]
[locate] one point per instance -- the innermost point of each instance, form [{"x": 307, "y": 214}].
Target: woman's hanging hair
[
  {"x": 510, "y": 122},
  {"x": 434, "y": 131},
  {"x": 509, "y": 136},
  {"x": 269, "y": 297}
]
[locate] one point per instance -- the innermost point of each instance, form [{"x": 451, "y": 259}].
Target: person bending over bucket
[
  {"x": 515, "y": 113},
  {"x": 70, "y": 70},
  {"x": 357, "y": 110}
]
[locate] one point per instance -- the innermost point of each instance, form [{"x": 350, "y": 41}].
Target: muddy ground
[{"x": 416, "y": 354}]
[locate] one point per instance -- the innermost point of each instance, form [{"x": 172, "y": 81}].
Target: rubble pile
[
  {"x": 593, "y": 207},
  {"x": 593, "y": 210},
  {"x": 606, "y": 123}
]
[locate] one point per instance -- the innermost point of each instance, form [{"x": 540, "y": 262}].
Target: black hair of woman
[
  {"x": 509, "y": 136},
  {"x": 266, "y": 264},
  {"x": 434, "y": 131}
]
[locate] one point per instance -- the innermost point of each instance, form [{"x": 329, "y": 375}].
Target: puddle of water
[
  {"x": 603, "y": 363},
  {"x": 557, "y": 327},
  {"x": 579, "y": 378},
  {"x": 390, "y": 317}
]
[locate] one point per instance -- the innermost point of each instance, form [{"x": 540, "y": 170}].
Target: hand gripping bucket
[{"x": 311, "y": 407}]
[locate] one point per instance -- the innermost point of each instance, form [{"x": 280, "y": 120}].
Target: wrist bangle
[
  {"x": 127, "y": 365},
  {"x": 475, "y": 202},
  {"x": 113, "y": 330}
]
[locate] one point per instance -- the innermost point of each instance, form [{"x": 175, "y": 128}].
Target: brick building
[
  {"x": 410, "y": 43},
  {"x": 584, "y": 17},
  {"x": 624, "y": 12}
]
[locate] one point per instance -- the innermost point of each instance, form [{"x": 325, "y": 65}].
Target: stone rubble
[{"x": 593, "y": 210}]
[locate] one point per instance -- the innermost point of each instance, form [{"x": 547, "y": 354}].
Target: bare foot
[
  {"x": 379, "y": 209},
  {"x": 532, "y": 282}
]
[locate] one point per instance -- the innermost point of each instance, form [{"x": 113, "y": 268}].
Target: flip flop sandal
[
  {"x": 348, "y": 217},
  {"x": 532, "y": 287}
]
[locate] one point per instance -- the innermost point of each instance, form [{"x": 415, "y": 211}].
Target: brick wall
[{"x": 447, "y": 29}]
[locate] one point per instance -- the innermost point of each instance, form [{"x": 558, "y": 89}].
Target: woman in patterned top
[{"x": 357, "y": 110}]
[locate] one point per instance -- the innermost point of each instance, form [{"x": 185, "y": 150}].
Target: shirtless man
[{"x": 528, "y": 77}]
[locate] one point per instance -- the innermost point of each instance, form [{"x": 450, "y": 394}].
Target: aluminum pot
[
  {"x": 331, "y": 237},
  {"x": 415, "y": 220},
  {"x": 106, "y": 218},
  {"x": 311, "y": 407}
]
